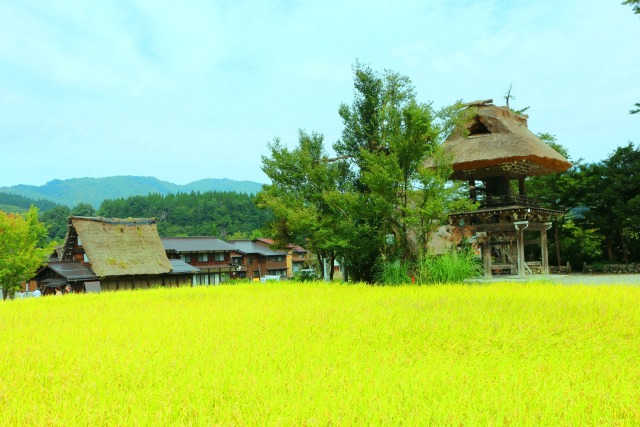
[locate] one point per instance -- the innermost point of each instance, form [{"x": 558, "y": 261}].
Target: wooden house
[
  {"x": 213, "y": 258},
  {"x": 494, "y": 152},
  {"x": 258, "y": 259},
  {"x": 298, "y": 256},
  {"x": 122, "y": 253}
]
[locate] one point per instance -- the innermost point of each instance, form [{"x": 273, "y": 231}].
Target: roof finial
[{"x": 480, "y": 103}]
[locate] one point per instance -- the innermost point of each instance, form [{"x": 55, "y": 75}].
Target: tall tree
[
  {"x": 387, "y": 137},
  {"x": 558, "y": 191},
  {"x": 305, "y": 196},
  {"x": 376, "y": 200},
  {"x": 22, "y": 248},
  {"x": 613, "y": 201}
]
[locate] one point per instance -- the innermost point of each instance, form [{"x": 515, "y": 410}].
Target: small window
[
  {"x": 218, "y": 256},
  {"x": 185, "y": 258},
  {"x": 249, "y": 261},
  {"x": 203, "y": 257}
]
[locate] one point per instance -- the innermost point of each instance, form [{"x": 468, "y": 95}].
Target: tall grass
[
  {"x": 319, "y": 354},
  {"x": 394, "y": 272},
  {"x": 453, "y": 267}
]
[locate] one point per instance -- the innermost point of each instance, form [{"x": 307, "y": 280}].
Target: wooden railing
[{"x": 507, "y": 200}]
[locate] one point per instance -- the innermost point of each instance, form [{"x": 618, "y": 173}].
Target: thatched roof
[
  {"x": 497, "y": 143},
  {"x": 118, "y": 247}
]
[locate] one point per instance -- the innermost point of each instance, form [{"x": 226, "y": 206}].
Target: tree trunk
[
  {"x": 558, "y": 255},
  {"x": 609, "y": 247},
  {"x": 332, "y": 259},
  {"x": 625, "y": 255}
]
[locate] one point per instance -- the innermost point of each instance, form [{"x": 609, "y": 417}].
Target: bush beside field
[{"x": 317, "y": 354}]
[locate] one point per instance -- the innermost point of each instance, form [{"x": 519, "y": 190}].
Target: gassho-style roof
[
  {"x": 498, "y": 143},
  {"x": 195, "y": 244},
  {"x": 119, "y": 247}
]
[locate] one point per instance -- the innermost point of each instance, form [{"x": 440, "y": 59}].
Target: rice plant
[{"x": 302, "y": 354}]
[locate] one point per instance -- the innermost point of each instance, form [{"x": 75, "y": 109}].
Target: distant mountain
[{"x": 70, "y": 192}]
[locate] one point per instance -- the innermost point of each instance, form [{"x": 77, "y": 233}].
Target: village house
[
  {"x": 113, "y": 254},
  {"x": 213, "y": 258},
  {"x": 260, "y": 260}
]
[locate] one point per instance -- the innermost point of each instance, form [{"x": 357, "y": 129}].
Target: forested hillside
[
  {"x": 219, "y": 214},
  {"x": 17, "y": 203},
  {"x": 71, "y": 192}
]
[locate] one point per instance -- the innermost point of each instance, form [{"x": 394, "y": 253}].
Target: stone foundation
[{"x": 612, "y": 269}]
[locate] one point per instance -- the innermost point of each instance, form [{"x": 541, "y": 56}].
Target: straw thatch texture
[
  {"x": 498, "y": 143},
  {"x": 117, "y": 247}
]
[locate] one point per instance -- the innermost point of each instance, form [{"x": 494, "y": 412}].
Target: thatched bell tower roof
[{"x": 497, "y": 142}]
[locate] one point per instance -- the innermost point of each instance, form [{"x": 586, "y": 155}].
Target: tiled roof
[
  {"x": 71, "y": 270},
  {"x": 249, "y": 247},
  {"x": 180, "y": 267},
  {"x": 195, "y": 244}
]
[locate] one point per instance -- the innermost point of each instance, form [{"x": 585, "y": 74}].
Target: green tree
[
  {"x": 83, "y": 209},
  {"x": 610, "y": 192},
  {"x": 22, "y": 248},
  {"x": 635, "y": 4},
  {"x": 560, "y": 191},
  {"x": 581, "y": 244},
  {"x": 376, "y": 201},
  {"x": 387, "y": 137},
  {"x": 192, "y": 214},
  {"x": 56, "y": 221},
  {"x": 304, "y": 196}
]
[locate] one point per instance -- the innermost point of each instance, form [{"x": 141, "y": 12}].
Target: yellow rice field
[{"x": 318, "y": 354}]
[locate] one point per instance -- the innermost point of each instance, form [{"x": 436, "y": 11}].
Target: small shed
[{"x": 59, "y": 274}]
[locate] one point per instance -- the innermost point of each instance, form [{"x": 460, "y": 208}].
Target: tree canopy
[
  {"x": 635, "y": 4},
  {"x": 375, "y": 200},
  {"x": 22, "y": 248},
  {"x": 192, "y": 214}
]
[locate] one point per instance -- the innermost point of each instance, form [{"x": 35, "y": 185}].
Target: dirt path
[{"x": 573, "y": 279}]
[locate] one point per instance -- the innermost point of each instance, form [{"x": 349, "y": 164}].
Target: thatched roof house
[
  {"x": 497, "y": 142},
  {"x": 116, "y": 247}
]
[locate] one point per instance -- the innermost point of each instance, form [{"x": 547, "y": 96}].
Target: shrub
[
  {"x": 394, "y": 272},
  {"x": 453, "y": 267},
  {"x": 306, "y": 275}
]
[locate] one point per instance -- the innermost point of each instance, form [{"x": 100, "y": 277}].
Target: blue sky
[{"x": 195, "y": 89}]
